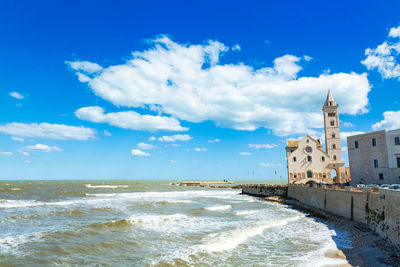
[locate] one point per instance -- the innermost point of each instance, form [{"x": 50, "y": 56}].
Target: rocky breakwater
[
  {"x": 212, "y": 184},
  {"x": 270, "y": 192}
]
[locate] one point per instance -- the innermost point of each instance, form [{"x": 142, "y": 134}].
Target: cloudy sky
[{"x": 172, "y": 89}]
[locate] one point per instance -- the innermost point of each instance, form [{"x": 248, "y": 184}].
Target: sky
[{"x": 184, "y": 89}]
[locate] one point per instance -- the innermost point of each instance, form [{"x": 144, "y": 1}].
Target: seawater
[{"x": 152, "y": 223}]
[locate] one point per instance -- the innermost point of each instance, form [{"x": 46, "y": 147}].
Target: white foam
[
  {"x": 231, "y": 239},
  {"x": 179, "y": 201},
  {"x": 224, "y": 207},
  {"x": 105, "y": 186},
  {"x": 246, "y": 212},
  {"x": 99, "y": 195},
  {"x": 10, "y": 244},
  {"x": 15, "y": 189}
]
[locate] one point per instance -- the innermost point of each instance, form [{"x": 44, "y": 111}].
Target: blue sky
[{"x": 183, "y": 90}]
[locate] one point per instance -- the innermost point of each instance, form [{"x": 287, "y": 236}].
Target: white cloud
[
  {"x": 391, "y": 121},
  {"x": 214, "y": 140},
  {"x": 198, "y": 149},
  {"x": 48, "y": 131},
  {"x": 176, "y": 137},
  {"x": 394, "y": 32},
  {"x": 152, "y": 138},
  {"x": 84, "y": 66},
  {"x": 42, "y": 148},
  {"x": 187, "y": 82},
  {"x": 236, "y": 47},
  {"x": 129, "y": 120},
  {"x": 259, "y": 146},
  {"x": 307, "y": 58},
  {"x": 347, "y": 124},
  {"x": 107, "y": 133},
  {"x": 19, "y": 139},
  {"x": 267, "y": 164},
  {"x": 245, "y": 153},
  {"x": 24, "y": 153},
  {"x": 385, "y": 56},
  {"x": 16, "y": 95},
  {"x": 139, "y": 153},
  {"x": 145, "y": 146},
  {"x": 175, "y": 145},
  {"x": 6, "y": 153}
]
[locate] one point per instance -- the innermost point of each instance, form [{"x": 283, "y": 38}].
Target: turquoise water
[{"x": 152, "y": 223}]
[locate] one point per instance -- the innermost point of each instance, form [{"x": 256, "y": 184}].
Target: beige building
[
  {"x": 306, "y": 159},
  {"x": 374, "y": 157}
]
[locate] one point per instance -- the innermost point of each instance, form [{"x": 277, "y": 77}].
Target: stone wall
[
  {"x": 379, "y": 209},
  {"x": 265, "y": 190}
]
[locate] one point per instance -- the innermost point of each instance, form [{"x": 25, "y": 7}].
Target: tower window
[
  {"x": 375, "y": 163},
  {"x": 356, "y": 144},
  {"x": 381, "y": 176},
  {"x": 397, "y": 141},
  {"x": 333, "y": 135},
  {"x": 331, "y": 114},
  {"x": 332, "y": 123},
  {"x": 334, "y": 157},
  {"x": 398, "y": 162},
  {"x": 294, "y": 159},
  {"x": 322, "y": 158},
  {"x": 333, "y": 146},
  {"x": 309, "y": 158},
  {"x": 373, "y": 141}
]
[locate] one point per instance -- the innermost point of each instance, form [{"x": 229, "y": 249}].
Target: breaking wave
[
  {"x": 105, "y": 186},
  {"x": 224, "y": 207}
]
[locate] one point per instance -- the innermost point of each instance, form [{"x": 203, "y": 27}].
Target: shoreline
[{"x": 367, "y": 248}]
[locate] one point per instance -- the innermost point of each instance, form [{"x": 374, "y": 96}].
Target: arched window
[
  {"x": 333, "y": 146},
  {"x": 309, "y": 174},
  {"x": 333, "y": 135},
  {"x": 322, "y": 158},
  {"x": 309, "y": 158},
  {"x": 334, "y": 157}
]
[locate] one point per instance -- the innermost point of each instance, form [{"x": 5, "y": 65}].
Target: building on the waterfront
[
  {"x": 306, "y": 159},
  {"x": 374, "y": 157}
]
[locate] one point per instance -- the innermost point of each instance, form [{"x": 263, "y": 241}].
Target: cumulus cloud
[
  {"x": 19, "y": 139},
  {"x": 85, "y": 66},
  {"x": 385, "y": 57},
  {"x": 145, "y": 146},
  {"x": 245, "y": 153},
  {"x": 198, "y": 149},
  {"x": 16, "y": 95},
  {"x": 176, "y": 137},
  {"x": 187, "y": 82},
  {"x": 42, "y": 148},
  {"x": 130, "y": 120},
  {"x": 139, "y": 153},
  {"x": 259, "y": 146},
  {"x": 391, "y": 121},
  {"x": 267, "y": 164},
  {"x": 214, "y": 140},
  {"x": 48, "y": 131},
  {"x": 6, "y": 153}
]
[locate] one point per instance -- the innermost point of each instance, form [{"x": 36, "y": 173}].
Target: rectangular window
[
  {"x": 398, "y": 162},
  {"x": 356, "y": 144},
  {"x": 308, "y": 158},
  {"x": 373, "y": 141},
  {"x": 332, "y": 123},
  {"x": 375, "y": 163},
  {"x": 397, "y": 141},
  {"x": 381, "y": 176},
  {"x": 294, "y": 158},
  {"x": 331, "y": 114},
  {"x": 322, "y": 158}
]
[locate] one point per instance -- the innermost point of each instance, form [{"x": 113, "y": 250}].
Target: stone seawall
[
  {"x": 265, "y": 190},
  {"x": 379, "y": 209}
]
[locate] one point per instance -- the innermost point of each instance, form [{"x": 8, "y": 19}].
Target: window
[
  {"x": 308, "y": 141},
  {"x": 397, "y": 141},
  {"x": 309, "y": 158},
  {"x": 398, "y": 162},
  {"x": 381, "y": 176},
  {"x": 309, "y": 174},
  {"x": 308, "y": 149},
  {"x": 294, "y": 159},
  {"x": 334, "y": 157},
  {"x": 331, "y": 114},
  {"x": 333, "y": 146},
  {"x": 332, "y": 123},
  {"x": 322, "y": 158},
  {"x": 356, "y": 144},
  {"x": 373, "y": 141},
  {"x": 333, "y": 135},
  {"x": 375, "y": 163},
  {"x": 295, "y": 176}
]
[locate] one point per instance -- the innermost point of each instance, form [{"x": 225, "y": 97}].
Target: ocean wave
[
  {"x": 231, "y": 239},
  {"x": 99, "y": 195},
  {"x": 11, "y": 244},
  {"x": 105, "y": 186},
  {"x": 246, "y": 212},
  {"x": 224, "y": 207}
]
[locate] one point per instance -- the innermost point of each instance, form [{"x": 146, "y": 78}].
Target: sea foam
[
  {"x": 224, "y": 207},
  {"x": 105, "y": 186}
]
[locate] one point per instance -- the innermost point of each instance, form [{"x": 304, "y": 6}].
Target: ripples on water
[{"x": 134, "y": 223}]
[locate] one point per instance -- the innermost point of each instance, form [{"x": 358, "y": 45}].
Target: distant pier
[{"x": 212, "y": 184}]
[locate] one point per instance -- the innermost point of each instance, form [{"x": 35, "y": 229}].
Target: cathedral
[{"x": 306, "y": 159}]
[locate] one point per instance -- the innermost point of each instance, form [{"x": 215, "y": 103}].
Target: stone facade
[
  {"x": 375, "y": 157},
  {"x": 307, "y": 161}
]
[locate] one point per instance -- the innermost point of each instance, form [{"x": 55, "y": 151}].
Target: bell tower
[{"x": 332, "y": 130}]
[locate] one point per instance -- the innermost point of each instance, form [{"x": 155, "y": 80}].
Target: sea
[{"x": 154, "y": 223}]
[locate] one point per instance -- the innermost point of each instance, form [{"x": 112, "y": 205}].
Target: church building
[{"x": 306, "y": 159}]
